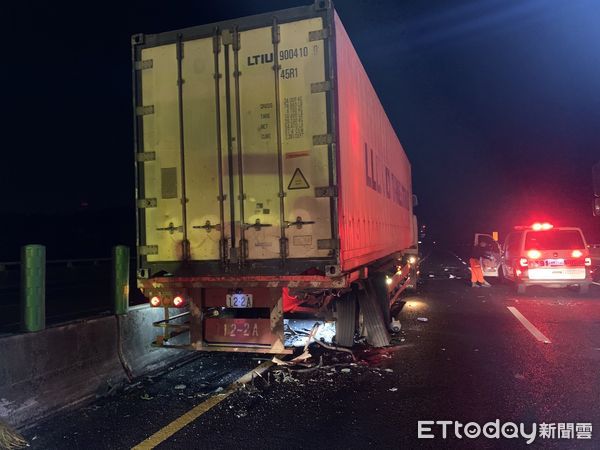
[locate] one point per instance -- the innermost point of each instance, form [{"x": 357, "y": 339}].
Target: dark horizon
[{"x": 496, "y": 104}]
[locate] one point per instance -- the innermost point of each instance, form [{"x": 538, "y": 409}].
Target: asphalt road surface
[{"x": 483, "y": 355}]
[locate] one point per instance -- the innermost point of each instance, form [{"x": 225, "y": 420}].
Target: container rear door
[
  {"x": 240, "y": 146},
  {"x": 302, "y": 110},
  {"x": 160, "y": 135}
]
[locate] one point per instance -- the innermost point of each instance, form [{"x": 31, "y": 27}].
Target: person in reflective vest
[{"x": 478, "y": 252}]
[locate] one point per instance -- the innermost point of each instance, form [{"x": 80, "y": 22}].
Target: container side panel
[
  {"x": 374, "y": 172},
  {"x": 162, "y": 177},
  {"x": 259, "y": 144},
  {"x": 304, "y": 115},
  {"x": 201, "y": 151}
]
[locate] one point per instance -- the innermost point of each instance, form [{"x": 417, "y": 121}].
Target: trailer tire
[
  {"x": 380, "y": 290},
  {"x": 377, "y": 333},
  {"x": 345, "y": 325},
  {"x": 414, "y": 279}
]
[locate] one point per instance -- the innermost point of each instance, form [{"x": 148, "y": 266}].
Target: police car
[{"x": 541, "y": 254}]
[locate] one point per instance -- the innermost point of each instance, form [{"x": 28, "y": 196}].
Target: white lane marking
[
  {"x": 528, "y": 325},
  {"x": 597, "y": 284}
]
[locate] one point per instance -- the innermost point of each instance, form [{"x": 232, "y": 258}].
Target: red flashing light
[
  {"x": 577, "y": 254},
  {"x": 523, "y": 263},
  {"x": 178, "y": 302},
  {"x": 542, "y": 226},
  {"x": 533, "y": 254},
  {"x": 155, "y": 301}
]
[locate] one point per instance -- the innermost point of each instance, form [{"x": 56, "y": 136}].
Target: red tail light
[
  {"x": 155, "y": 301},
  {"x": 534, "y": 254},
  {"x": 523, "y": 262},
  {"x": 588, "y": 261},
  {"x": 577, "y": 254},
  {"x": 178, "y": 302}
]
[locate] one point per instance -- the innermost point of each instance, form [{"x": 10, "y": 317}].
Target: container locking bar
[{"x": 276, "y": 38}]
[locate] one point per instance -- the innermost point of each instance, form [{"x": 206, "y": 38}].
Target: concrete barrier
[{"x": 43, "y": 372}]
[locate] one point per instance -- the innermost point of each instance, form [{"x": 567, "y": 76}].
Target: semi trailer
[{"x": 269, "y": 184}]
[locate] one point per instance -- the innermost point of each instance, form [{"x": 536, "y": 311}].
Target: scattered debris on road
[
  {"x": 180, "y": 387},
  {"x": 422, "y": 319},
  {"x": 10, "y": 439}
]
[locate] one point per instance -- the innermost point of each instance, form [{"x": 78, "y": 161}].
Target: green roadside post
[
  {"x": 33, "y": 287},
  {"x": 120, "y": 288}
]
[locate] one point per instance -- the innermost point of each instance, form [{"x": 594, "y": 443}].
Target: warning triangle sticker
[{"x": 298, "y": 181}]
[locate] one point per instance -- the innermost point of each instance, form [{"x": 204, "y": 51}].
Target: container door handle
[
  {"x": 299, "y": 223},
  {"x": 208, "y": 227},
  {"x": 171, "y": 228},
  {"x": 257, "y": 225}
]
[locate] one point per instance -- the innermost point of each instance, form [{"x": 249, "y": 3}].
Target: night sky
[{"x": 497, "y": 104}]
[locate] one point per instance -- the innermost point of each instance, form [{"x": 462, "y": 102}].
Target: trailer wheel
[
  {"x": 345, "y": 324},
  {"x": 412, "y": 287},
  {"x": 377, "y": 334},
  {"x": 379, "y": 288}
]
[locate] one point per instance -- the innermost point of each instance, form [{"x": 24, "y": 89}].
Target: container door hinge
[
  {"x": 322, "y": 139},
  {"x": 318, "y": 35},
  {"x": 143, "y": 203},
  {"x": 144, "y": 110},
  {"x": 321, "y": 86},
  {"x": 326, "y": 191},
  {"x": 145, "y": 156},
  {"x": 328, "y": 244},
  {"x": 143, "y": 65},
  {"x": 148, "y": 250}
]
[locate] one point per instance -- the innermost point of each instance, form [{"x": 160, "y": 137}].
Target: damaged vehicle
[{"x": 270, "y": 184}]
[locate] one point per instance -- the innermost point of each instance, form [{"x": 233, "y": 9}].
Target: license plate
[
  {"x": 239, "y": 300},
  {"x": 555, "y": 262},
  {"x": 239, "y": 331}
]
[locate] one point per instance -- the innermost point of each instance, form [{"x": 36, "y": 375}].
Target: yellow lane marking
[{"x": 166, "y": 432}]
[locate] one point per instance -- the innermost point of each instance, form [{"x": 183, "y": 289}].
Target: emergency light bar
[{"x": 536, "y": 227}]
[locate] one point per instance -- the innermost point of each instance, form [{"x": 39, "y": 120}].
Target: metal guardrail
[{"x": 33, "y": 290}]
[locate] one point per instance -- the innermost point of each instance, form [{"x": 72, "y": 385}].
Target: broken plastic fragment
[
  {"x": 389, "y": 370},
  {"x": 422, "y": 319},
  {"x": 146, "y": 397},
  {"x": 180, "y": 387},
  {"x": 393, "y": 389},
  {"x": 346, "y": 370}
]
